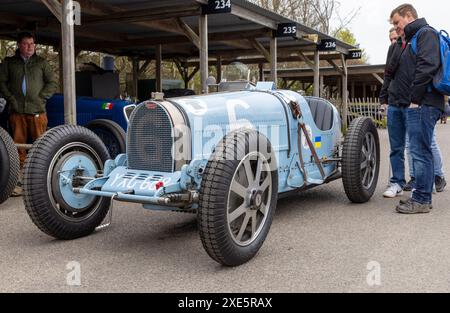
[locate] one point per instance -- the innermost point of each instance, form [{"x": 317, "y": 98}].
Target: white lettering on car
[{"x": 148, "y": 184}]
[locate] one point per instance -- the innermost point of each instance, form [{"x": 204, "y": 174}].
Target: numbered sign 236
[{"x": 327, "y": 45}]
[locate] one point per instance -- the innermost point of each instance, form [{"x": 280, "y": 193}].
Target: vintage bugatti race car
[
  {"x": 226, "y": 156},
  {"x": 9, "y": 165}
]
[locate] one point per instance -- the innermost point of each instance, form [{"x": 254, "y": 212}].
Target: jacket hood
[{"x": 412, "y": 28}]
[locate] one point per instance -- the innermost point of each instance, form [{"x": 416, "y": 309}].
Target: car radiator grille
[{"x": 150, "y": 139}]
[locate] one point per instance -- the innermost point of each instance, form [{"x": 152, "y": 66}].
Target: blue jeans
[
  {"x": 437, "y": 158},
  {"x": 421, "y": 124},
  {"x": 397, "y": 127}
]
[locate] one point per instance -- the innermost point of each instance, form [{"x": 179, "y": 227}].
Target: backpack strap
[
  {"x": 416, "y": 37},
  {"x": 414, "y": 47}
]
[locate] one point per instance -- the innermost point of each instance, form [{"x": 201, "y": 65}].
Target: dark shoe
[
  {"x": 410, "y": 185},
  {"x": 413, "y": 207},
  {"x": 440, "y": 183},
  {"x": 409, "y": 200},
  {"x": 405, "y": 201}
]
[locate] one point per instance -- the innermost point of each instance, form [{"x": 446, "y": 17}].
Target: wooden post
[
  {"x": 184, "y": 71},
  {"x": 219, "y": 69},
  {"x": 158, "y": 71},
  {"x": 68, "y": 58},
  {"x": 321, "y": 86},
  {"x": 344, "y": 91},
  {"x": 273, "y": 61},
  {"x": 185, "y": 76},
  {"x": 339, "y": 87},
  {"x": 204, "y": 62},
  {"x": 61, "y": 67},
  {"x": 135, "y": 64},
  {"x": 261, "y": 72},
  {"x": 316, "y": 91},
  {"x": 353, "y": 90}
]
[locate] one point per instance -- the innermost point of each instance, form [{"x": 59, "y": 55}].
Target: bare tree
[{"x": 317, "y": 14}]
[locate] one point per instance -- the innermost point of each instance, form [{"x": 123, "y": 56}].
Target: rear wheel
[
  {"x": 63, "y": 159},
  {"x": 361, "y": 160},
  {"x": 238, "y": 198},
  {"x": 112, "y": 135},
  {"x": 9, "y": 165}
]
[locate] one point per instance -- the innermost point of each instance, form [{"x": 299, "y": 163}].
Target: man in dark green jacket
[{"x": 26, "y": 81}]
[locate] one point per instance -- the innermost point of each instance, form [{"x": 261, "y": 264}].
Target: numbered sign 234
[{"x": 217, "y": 7}]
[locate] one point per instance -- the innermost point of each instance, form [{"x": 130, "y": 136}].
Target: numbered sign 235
[
  {"x": 287, "y": 30},
  {"x": 217, "y": 7}
]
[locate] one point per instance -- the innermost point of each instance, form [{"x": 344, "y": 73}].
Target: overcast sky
[{"x": 371, "y": 27}]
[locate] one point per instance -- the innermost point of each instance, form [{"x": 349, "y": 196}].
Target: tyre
[
  {"x": 361, "y": 160},
  {"x": 238, "y": 197},
  {"x": 112, "y": 135},
  {"x": 9, "y": 165},
  {"x": 55, "y": 165}
]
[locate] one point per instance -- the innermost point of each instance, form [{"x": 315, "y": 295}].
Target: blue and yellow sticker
[{"x": 318, "y": 142}]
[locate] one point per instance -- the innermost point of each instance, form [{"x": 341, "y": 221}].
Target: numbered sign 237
[
  {"x": 217, "y": 7},
  {"x": 354, "y": 55}
]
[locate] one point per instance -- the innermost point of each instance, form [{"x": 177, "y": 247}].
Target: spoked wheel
[
  {"x": 112, "y": 135},
  {"x": 370, "y": 160},
  {"x": 361, "y": 160},
  {"x": 65, "y": 158},
  {"x": 249, "y": 199},
  {"x": 238, "y": 197}
]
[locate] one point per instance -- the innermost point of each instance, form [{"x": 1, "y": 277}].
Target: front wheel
[
  {"x": 238, "y": 197},
  {"x": 361, "y": 160},
  {"x": 61, "y": 160}
]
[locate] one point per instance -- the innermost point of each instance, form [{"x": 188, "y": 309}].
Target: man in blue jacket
[{"x": 412, "y": 88}]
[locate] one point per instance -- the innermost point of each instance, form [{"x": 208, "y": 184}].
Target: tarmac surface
[{"x": 319, "y": 242}]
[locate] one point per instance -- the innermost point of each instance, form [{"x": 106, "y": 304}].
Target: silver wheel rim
[
  {"x": 70, "y": 216},
  {"x": 369, "y": 161},
  {"x": 249, "y": 199}
]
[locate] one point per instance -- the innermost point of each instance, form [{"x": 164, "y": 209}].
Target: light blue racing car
[{"x": 226, "y": 156}]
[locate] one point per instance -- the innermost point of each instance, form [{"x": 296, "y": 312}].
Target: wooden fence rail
[{"x": 369, "y": 107}]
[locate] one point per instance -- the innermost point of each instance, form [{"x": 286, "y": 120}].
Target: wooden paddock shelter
[{"x": 194, "y": 34}]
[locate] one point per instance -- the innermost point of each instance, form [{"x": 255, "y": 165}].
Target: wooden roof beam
[
  {"x": 261, "y": 49},
  {"x": 100, "y": 9},
  {"x": 144, "y": 15},
  {"x": 189, "y": 32},
  {"x": 54, "y": 26},
  {"x": 55, "y": 7}
]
